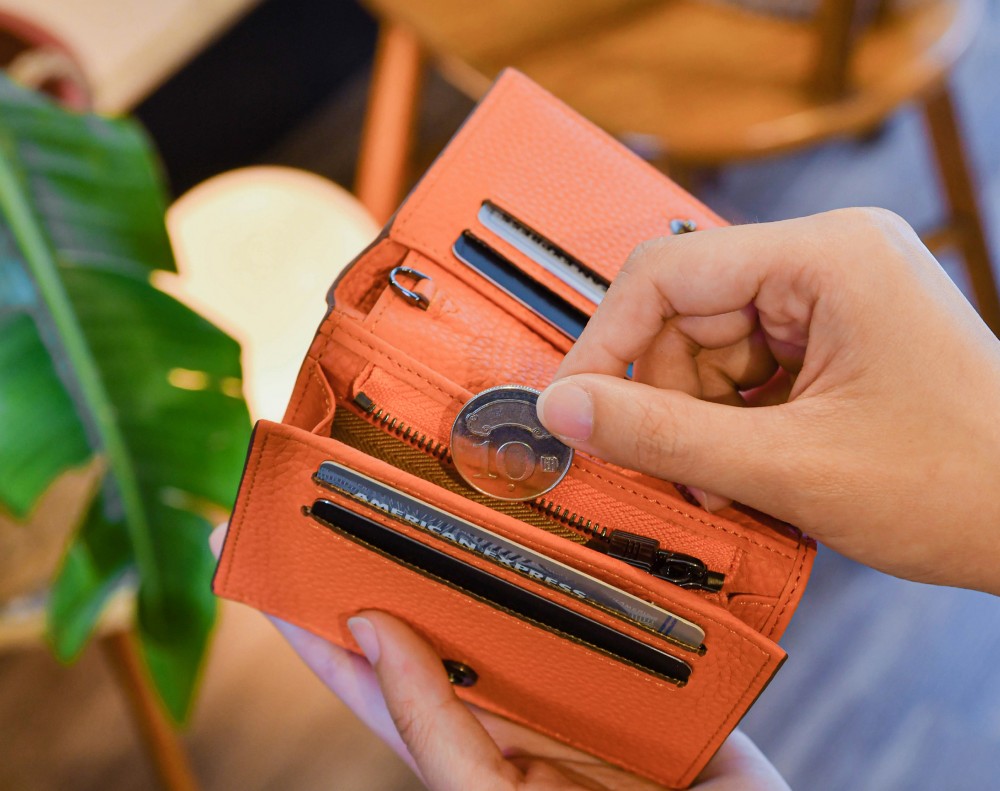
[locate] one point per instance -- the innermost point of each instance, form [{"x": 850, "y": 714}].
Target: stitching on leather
[
  {"x": 379, "y": 313},
  {"x": 347, "y": 330},
  {"x": 324, "y": 388},
  {"x": 302, "y": 393},
  {"x": 791, "y": 594},
  {"x": 246, "y": 505},
  {"x": 678, "y": 511}
]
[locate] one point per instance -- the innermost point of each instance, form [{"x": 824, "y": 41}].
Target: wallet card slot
[
  {"x": 498, "y": 592},
  {"x": 478, "y": 540},
  {"x": 283, "y": 563},
  {"x": 544, "y": 253},
  {"x": 516, "y": 284}
]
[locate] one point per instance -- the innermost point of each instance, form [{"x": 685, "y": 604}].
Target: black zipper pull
[{"x": 644, "y": 553}]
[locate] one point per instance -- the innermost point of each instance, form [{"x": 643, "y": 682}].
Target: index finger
[{"x": 707, "y": 273}]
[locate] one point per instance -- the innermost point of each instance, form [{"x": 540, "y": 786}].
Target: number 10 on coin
[{"x": 501, "y": 449}]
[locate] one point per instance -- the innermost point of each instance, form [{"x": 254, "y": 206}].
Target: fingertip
[
  {"x": 366, "y": 637},
  {"x": 567, "y": 410},
  {"x": 710, "y": 501},
  {"x": 217, "y": 538},
  {"x": 395, "y": 639}
]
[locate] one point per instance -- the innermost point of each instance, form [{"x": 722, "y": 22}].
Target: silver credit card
[
  {"x": 546, "y": 254},
  {"x": 505, "y": 552}
]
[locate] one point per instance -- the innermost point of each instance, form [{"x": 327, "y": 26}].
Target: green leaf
[
  {"x": 96, "y": 360},
  {"x": 91, "y": 571},
  {"x": 174, "y": 638},
  {"x": 42, "y": 435}
]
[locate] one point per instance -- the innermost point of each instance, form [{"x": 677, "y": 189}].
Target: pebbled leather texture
[
  {"x": 291, "y": 567},
  {"x": 555, "y": 172}
]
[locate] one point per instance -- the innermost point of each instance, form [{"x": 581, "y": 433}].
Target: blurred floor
[
  {"x": 263, "y": 722},
  {"x": 889, "y": 685}
]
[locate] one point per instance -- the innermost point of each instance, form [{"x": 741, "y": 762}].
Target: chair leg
[
  {"x": 157, "y": 733},
  {"x": 388, "y": 129},
  {"x": 963, "y": 202}
]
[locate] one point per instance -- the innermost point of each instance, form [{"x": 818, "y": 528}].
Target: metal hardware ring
[{"x": 408, "y": 294}]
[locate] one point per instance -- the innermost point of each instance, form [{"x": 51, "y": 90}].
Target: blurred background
[{"x": 765, "y": 109}]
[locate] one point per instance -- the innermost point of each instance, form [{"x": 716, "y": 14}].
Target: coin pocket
[{"x": 361, "y": 389}]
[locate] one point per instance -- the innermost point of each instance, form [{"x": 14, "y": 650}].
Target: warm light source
[{"x": 257, "y": 249}]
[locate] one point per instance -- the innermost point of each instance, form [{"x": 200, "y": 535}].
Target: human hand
[
  {"x": 402, "y": 693},
  {"x": 877, "y": 387}
]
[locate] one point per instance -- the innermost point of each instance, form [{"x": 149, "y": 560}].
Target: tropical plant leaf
[
  {"x": 96, "y": 360},
  {"x": 32, "y": 395},
  {"x": 92, "y": 569}
]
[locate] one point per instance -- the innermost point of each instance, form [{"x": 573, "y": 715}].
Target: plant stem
[{"x": 41, "y": 262}]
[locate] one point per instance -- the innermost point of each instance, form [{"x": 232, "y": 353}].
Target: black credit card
[
  {"x": 499, "y": 592},
  {"x": 539, "y": 299}
]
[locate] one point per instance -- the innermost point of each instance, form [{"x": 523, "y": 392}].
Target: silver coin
[{"x": 499, "y": 447}]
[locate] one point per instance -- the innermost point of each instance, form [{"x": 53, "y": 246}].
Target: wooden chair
[{"x": 709, "y": 82}]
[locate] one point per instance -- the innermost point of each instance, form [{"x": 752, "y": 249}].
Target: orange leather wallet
[{"x": 414, "y": 330}]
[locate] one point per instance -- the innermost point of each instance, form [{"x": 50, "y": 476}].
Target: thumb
[
  {"x": 450, "y": 747},
  {"x": 665, "y": 433}
]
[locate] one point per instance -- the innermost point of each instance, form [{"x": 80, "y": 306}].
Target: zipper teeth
[
  {"x": 408, "y": 434},
  {"x": 555, "y": 511},
  {"x": 441, "y": 451}
]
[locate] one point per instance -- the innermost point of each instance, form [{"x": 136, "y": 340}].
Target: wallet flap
[
  {"x": 558, "y": 174},
  {"x": 280, "y": 561}
]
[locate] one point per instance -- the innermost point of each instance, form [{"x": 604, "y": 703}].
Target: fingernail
[
  {"x": 217, "y": 538},
  {"x": 364, "y": 635},
  {"x": 708, "y": 500},
  {"x": 567, "y": 410},
  {"x": 699, "y": 495}
]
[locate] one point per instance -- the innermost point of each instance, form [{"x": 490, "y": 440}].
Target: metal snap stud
[
  {"x": 683, "y": 226},
  {"x": 459, "y": 674}
]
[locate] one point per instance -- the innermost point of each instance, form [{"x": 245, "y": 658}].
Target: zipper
[
  {"x": 642, "y": 552},
  {"x": 408, "y": 434}
]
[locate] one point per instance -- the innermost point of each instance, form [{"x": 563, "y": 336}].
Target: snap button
[{"x": 459, "y": 674}]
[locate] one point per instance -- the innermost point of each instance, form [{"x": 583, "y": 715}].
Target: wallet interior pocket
[
  {"x": 494, "y": 590},
  {"x": 392, "y": 408}
]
